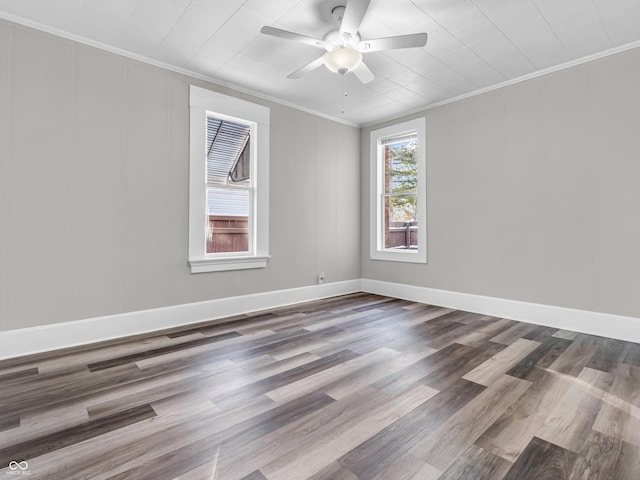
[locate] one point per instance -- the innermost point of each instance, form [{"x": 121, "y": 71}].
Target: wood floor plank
[
  {"x": 9, "y": 422},
  {"x": 34, "y": 448},
  {"x": 204, "y": 472},
  {"x": 461, "y": 365},
  {"x": 619, "y": 416},
  {"x": 60, "y": 391},
  {"x": 632, "y": 355},
  {"x": 542, "y": 461},
  {"x": 533, "y": 365},
  {"x": 302, "y": 434},
  {"x": 333, "y": 471},
  {"x": 318, "y": 380},
  {"x": 439, "y": 361},
  {"x": 604, "y": 457},
  {"x": 332, "y": 320},
  {"x": 31, "y": 427},
  {"x": 408, "y": 467},
  {"x": 565, "y": 334},
  {"x": 490, "y": 371},
  {"x": 355, "y": 387},
  {"x": 462, "y": 429},
  {"x": 235, "y": 322},
  {"x": 540, "y": 333},
  {"x": 399, "y": 438},
  {"x": 202, "y": 454},
  {"x": 449, "y": 337},
  {"x": 353, "y": 382},
  {"x": 211, "y": 379},
  {"x": 510, "y": 434},
  {"x": 608, "y": 355},
  {"x": 252, "y": 429},
  {"x": 576, "y": 356},
  {"x": 513, "y": 333},
  {"x": 17, "y": 375},
  {"x": 257, "y": 475},
  {"x": 114, "y": 362},
  {"x": 497, "y": 327},
  {"x": 477, "y": 463},
  {"x": 144, "y": 391},
  {"x": 473, "y": 339},
  {"x": 68, "y": 360},
  {"x": 178, "y": 402},
  {"x": 194, "y": 354},
  {"x": 570, "y": 421},
  {"x": 101, "y": 457},
  {"x": 426, "y": 315},
  {"x": 307, "y": 463}
]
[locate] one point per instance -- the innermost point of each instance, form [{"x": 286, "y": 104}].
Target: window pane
[
  {"x": 227, "y": 151},
  {"x": 228, "y": 214},
  {"x": 401, "y": 227},
  {"x": 228, "y": 164},
  {"x": 401, "y": 169}
]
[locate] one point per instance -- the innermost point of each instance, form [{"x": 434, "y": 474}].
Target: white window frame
[
  {"x": 377, "y": 173},
  {"x": 205, "y": 103}
]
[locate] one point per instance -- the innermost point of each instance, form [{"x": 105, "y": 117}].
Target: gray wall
[
  {"x": 93, "y": 188},
  {"x": 534, "y": 192}
]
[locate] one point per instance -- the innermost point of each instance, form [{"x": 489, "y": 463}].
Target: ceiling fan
[{"x": 344, "y": 46}]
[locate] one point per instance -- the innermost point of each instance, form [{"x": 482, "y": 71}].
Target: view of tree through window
[{"x": 400, "y": 196}]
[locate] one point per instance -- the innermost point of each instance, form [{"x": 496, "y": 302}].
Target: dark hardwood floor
[{"x": 357, "y": 387}]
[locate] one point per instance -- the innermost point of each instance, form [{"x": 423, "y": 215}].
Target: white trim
[
  {"x": 228, "y": 263},
  {"x": 376, "y": 181},
  {"x": 584, "y": 321},
  {"x": 203, "y": 102},
  {"x": 26, "y": 341}
]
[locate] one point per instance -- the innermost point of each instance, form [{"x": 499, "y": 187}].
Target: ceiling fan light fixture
[{"x": 342, "y": 59}]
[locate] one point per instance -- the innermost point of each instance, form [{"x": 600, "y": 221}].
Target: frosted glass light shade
[{"x": 342, "y": 59}]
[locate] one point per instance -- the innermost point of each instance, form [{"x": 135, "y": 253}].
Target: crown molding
[
  {"x": 507, "y": 83},
  {"x": 133, "y": 56},
  {"x": 166, "y": 66}
]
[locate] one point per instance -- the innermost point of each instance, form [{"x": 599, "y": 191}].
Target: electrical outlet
[{"x": 321, "y": 277}]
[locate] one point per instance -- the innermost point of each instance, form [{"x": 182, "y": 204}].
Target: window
[
  {"x": 228, "y": 183},
  {"x": 398, "y": 210}
]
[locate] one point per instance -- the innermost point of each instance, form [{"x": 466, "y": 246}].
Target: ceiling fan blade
[
  {"x": 392, "y": 43},
  {"x": 353, "y": 15},
  {"x": 363, "y": 73},
  {"x": 307, "y": 68},
  {"x": 276, "y": 32}
]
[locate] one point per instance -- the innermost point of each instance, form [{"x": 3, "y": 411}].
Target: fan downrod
[{"x": 338, "y": 13}]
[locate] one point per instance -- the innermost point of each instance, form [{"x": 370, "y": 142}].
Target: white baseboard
[
  {"x": 26, "y": 341},
  {"x": 583, "y": 321}
]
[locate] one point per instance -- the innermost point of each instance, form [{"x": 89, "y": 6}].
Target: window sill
[
  {"x": 407, "y": 256},
  {"x": 222, "y": 264}
]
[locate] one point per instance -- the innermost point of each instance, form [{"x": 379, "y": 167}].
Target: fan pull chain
[{"x": 345, "y": 94}]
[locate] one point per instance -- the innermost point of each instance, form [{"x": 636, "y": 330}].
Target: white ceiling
[{"x": 473, "y": 44}]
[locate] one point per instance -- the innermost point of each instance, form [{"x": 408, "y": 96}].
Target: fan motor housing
[{"x": 334, "y": 40}]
